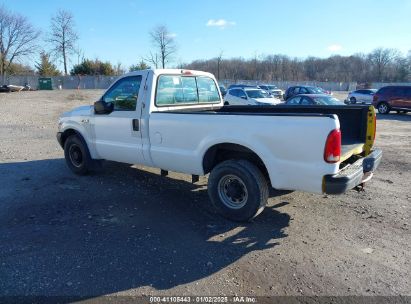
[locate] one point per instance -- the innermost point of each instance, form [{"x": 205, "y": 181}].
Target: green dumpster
[{"x": 45, "y": 84}]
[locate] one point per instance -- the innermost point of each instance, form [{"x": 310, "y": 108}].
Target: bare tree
[
  {"x": 79, "y": 53},
  {"x": 165, "y": 44},
  {"x": 380, "y": 58},
  {"x": 219, "y": 61},
  {"x": 63, "y": 37},
  {"x": 17, "y": 39},
  {"x": 153, "y": 58}
]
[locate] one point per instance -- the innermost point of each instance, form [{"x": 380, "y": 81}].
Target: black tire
[
  {"x": 77, "y": 155},
  {"x": 238, "y": 190},
  {"x": 383, "y": 108},
  {"x": 353, "y": 100},
  {"x": 226, "y": 103}
]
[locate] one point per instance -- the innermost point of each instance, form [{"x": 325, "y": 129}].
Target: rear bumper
[{"x": 353, "y": 175}]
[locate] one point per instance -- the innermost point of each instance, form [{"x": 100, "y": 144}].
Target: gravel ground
[{"x": 126, "y": 230}]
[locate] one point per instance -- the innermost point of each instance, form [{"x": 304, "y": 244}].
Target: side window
[
  {"x": 296, "y": 90},
  {"x": 234, "y": 92},
  {"x": 399, "y": 92},
  {"x": 242, "y": 94},
  {"x": 124, "y": 93},
  {"x": 303, "y": 91},
  {"x": 294, "y": 100}
]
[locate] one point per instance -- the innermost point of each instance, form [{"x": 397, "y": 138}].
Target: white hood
[
  {"x": 80, "y": 111},
  {"x": 267, "y": 101}
]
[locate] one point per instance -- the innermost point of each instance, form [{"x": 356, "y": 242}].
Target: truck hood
[
  {"x": 267, "y": 100},
  {"x": 79, "y": 111},
  {"x": 276, "y": 91}
]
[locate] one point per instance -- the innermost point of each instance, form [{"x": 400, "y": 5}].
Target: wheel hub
[
  {"x": 76, "y": 156},
  {"x": 232, "y": 191}
]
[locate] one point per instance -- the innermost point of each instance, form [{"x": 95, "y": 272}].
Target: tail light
[
  {"x": 374, "y": 98},
  {"x": 332, "y": 150}
]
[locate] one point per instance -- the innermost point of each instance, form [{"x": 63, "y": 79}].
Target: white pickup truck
[{"x": 175, "y": 120}]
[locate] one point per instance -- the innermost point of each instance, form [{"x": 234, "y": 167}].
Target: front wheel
[
  {"x": 353, "y": 100},
  {"x": 383, "y": 108},
  {"x": 238, "y": 190},
  {"x": 77, "y": 155}
]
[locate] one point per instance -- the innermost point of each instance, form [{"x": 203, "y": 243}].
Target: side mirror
[
  {"x": 101, "y": 107},
  {"x": 244, "y": 97}
]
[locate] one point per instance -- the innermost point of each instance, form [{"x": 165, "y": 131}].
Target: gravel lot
[{"x": 127, "y": 230}]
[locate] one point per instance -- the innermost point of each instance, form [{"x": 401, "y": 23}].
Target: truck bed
[{"x": 353, "y": 119}]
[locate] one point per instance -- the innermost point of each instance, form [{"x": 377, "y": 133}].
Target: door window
[
  {"x": 242, "y": 94},
  {"x": 124, "y": 93}
]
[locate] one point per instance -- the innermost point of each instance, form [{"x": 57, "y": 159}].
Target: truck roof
[{"x": 173, "y": 72}]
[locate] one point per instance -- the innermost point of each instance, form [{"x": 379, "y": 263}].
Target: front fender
[{"x": 83, "y": 131}]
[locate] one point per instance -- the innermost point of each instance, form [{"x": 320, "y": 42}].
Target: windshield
[
  {"x": 315, "y": 90},
  {"x": 272, "y": 87},
  {"x": 325, "y": 100},
  {"x": 256, "y": 94}
]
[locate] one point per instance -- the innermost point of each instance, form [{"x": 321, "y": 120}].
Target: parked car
[
  {"x": 249, "y": 96},
  {"x": 223, "y": 90},
  {"x": 273, "y": 90},
  {"x": 175, "y": 120},
  {"x": 314, "y": 99},
  {"x": 296, "y": 90},
  {"x": 393, "y": 98},
  {"x": 5, "y": 89},
  {"x": 364, "y": 96},
  {"x": 241, "y": 86}
]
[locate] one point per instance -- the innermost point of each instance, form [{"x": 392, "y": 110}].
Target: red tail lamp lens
[{"x": 332, "y": 150}]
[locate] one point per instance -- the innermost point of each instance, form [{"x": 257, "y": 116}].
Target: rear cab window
[{"x": 175, "y": 90}]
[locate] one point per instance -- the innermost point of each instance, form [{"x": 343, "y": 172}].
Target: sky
[{"x": 118, "y": 31}]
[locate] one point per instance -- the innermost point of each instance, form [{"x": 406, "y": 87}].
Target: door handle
[{"x": 136, "y": 125}]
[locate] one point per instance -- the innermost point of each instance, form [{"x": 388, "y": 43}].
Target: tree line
[
  {"x": 19, "y": 39},
  {"x": 380, "y": 65}
]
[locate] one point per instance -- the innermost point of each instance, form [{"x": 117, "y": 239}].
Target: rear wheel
[
  {"x": 238, "y": 190},
  {"x": 383, "y": 108},
  {"x": 77, "y": 155},
  {"x": 353, "y": 100}
]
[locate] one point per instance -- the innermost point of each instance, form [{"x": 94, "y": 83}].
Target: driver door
[{"x": 118, "y": 134}]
